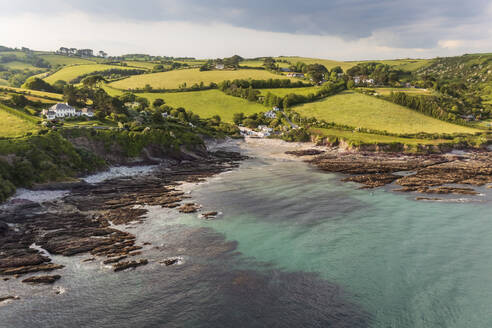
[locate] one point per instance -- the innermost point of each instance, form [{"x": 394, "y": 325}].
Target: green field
[
  {"x": 12, "y": 125},
  {"x": 140, "y": 64},
  {"x": 191, "y": 62},
  {"x": 4, "y": 82},
  {"x": 208, "y": 103},
  {"x": 329, "y": 64},
  {"x": 358, "y": 110},
  {"x": 403, "y": 64},
  {"x": 20, "y": 65},
  {"x": 172, "y": 79},
  {"x": 281, "y": 92},
  {"x": 410, "y": 91},
  {"x": 259, "y": 63},
  {"x": 370, "y": 138},
  {"x": 204, "y": 103},
  {"x": 35, "y": 93},
  {"x": 71, "y": 72},
  {"x": 65, "y": 60}
]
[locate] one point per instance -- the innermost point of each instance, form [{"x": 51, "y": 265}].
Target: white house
[
  {"x": 299, "y": 75},
  {"x": 60, "y": 110},
  {"x": 219, "y": 66},
  {"x": 357, "y": 79},
  {"x": 50, "y": 115},
  {"x": 275, "y": 109},
  {"x": 270, "y": 114},
  {"x": 369, "y": 81}
]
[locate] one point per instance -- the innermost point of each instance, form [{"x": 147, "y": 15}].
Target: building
[
  {"x": 219, "y": 66},
  {"x": 61, "y": 110},
  {"x": 50, "y": 115},
  {"x": 87, "y": 112},
  {"x": 275, "y": 109},
  {"x": 299, "y": 75},
  {"x": 270, "y": 114}
]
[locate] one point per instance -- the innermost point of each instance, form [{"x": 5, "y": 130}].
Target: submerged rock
[
  {"x": 188, "y": 208},
  {"x": 131, "y": 264},
  {"x": 42, "y": 279}
]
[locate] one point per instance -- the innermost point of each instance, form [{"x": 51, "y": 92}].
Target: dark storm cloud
[{"x": 415, "y": 23}]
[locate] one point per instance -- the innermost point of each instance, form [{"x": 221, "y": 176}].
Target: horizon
[{"x": 350, "y": 31}]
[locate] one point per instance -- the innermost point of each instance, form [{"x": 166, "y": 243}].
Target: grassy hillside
[
  {"x": 208, "y": 103},
  {"x": 281, "y": 92},
  {"x": 403, "y": 64},
  {"x": 65, "y": 60},
  {"x": 410, "y": 91},
  {"x": 35, "y": 93},
  {"x": 20, "y": 65},
  {"x": 140, "y": 64},
  {"x": 259, "y": 63},
  {"x": 71, "y": 72},
  {"x": 173, "y": 79},
  {"x": 13, "y": 124},
  {"x": 369, "y": 138},
  {"x": 358, "y": 110}
]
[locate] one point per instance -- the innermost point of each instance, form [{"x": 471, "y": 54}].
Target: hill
[
  {"x": 64, "y": 60},
  {"x": 71, "y": 72},
  {"x": 359, "y": 110},
  {"x": 14, "y": 124},
  {"x": 173, "y": 79}
]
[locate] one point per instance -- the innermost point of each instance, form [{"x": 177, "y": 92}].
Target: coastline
[{"x": 88, "y": 219}]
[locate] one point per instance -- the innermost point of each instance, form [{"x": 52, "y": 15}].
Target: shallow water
[{"x": 293, "y": 247}]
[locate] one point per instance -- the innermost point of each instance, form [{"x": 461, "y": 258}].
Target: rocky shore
[
  {"x": 428, "y": 174},
  {"x": 83, "y": 222}
]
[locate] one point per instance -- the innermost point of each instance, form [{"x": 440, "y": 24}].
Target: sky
[{"x": 332, "y": 29}]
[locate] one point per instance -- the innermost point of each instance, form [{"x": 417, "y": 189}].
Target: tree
[
  {"x": 19, "y": 100},
  {"x": 158, "y": 103},
  {"x": 93, "y": 81},
  {"x": 40, "y": 85},
  {"x": 316, "y": 72},
  {"x": 238, "y": 118},
  {"x": 70, "y": 94}
]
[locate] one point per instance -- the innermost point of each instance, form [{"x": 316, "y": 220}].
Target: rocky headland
[
  {"x": 423, "y": 173},
  {"x": 85, "y": 221}
]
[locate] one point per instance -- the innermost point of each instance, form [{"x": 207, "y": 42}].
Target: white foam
[
  {"x": 38, "y": 196},
  {"x": 118, "y": 172}
]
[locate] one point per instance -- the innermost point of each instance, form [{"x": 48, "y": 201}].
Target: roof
[{"x": 61, "y": 106}]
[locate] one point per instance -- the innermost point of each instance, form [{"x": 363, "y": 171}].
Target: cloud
[{"x": 383, "y": 27}]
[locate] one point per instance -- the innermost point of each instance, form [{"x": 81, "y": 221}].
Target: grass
[
  {"x": 259, "y": 63},
  {"x": 191, "y": 62},
  {"x": 20, "y": 65},
  {"x": 208, "y": 103},
  {"x": 204, "y": 103},
  {"x": 369, "y": 138},
  {"x": 140, "y": 64},
  {"x": 35, "y": 93},
  {"x": 403, "y": 64},
  {"x": 172, "y": 79},
  {"x": 65, "y": 60},
  {"x": 4, "y": 82},
  {"x": 281, "y": 92},
  {"x": 358, "y": 110},
  {"x": 13, "y": 124},
  {"x": 71, "y": 72},
  {"x": 410, "y": 91}
]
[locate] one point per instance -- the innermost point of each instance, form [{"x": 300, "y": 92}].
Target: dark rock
[
  {"x": 188, "y": 208},
  {"x": 304, "y": 152},
  {"x": 31, "y": 268},
  {"x": 115, "y": 259},
  {"x": 8, "y": 297},
  {"x": 131, "y": 264},
  {"x": 169, "y": 262},
  {"x": 42, "y": 279}
]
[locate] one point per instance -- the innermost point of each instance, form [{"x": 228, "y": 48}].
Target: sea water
[{"x": 293, "y": 246}]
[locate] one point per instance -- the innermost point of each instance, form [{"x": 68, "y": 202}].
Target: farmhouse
[
  {"x": 299, "y": 75},
  {"x": 60, "y": 110}
]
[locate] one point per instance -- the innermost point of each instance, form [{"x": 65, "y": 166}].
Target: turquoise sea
[{"x": 292, "y": 247}]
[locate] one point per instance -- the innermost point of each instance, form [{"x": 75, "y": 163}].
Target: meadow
[
  {"x": 281, "y": 92},
  {"x": 13, "y": 125},
  {"x": 140, "y": 64},
  {"x": 208, "y": 103},
  {"x": 370, "y": 138},
  {"x": 173, "y": 79},
  {"x": 20, "y": 65},
  {"x": 71, "y": 72},
  {"x": 259, "y": 63},
  {"x": 41, "y": 94},
  {"x": 410, "y": 91},
  {"x": 359, "y": 110},
  {"x": 65, "y": 60}
]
